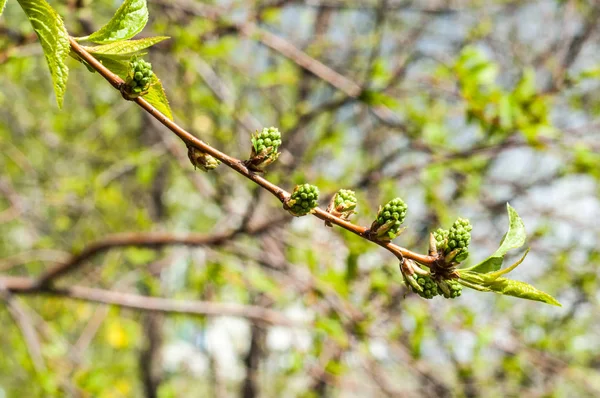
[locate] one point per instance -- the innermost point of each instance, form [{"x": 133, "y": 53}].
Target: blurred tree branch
[{"x": 27, "y": 286}]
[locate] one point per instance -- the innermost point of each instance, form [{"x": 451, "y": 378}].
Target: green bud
[
  {"x": 453, "y": 244},
  {"x": 265, "y": 146},
  {"x": 459, "y": 238},
  {"x": 342, "y": 204},
  {"x": 389, "y": 219},
  {"x": 441, "y": 239},
  {"x": 265, "y": 139},
  {"x": 450, "y": 288},
  {"x": 202, "y": 160},
  {"x": 428, "y": 285},
  {"x": 138, "y": 79},
  {"x": 304, "y": 198},
  {"x": 411, "y": 282},
  {"x": 451, "y": 256}
]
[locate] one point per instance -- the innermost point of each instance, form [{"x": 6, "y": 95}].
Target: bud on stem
[
  {"x": 303, "y": 200},
  {"x": 202, "y": 160},
  {"x": 265, "y": 145},
  {"x": 342, "y": 204},
  {"x": 389, "y": 219},
  {"x": 139, "y": 79}
]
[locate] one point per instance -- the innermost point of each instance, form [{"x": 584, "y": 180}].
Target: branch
[
  {"x": 254, "y": 356},
  {"x": 233, "y": 163},
  {"x": 19, "y": 285},
  {"x": 149, "y": 361},
  {"x": 147, "y": 240},
  {"x": 576, "y": 44},
  {"x": 44, "y": 255}
]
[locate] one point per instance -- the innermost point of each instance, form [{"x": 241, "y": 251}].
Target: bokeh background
[{"x": 456, "y": 106}]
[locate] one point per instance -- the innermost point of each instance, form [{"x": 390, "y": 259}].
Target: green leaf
[
  {"x": 508, "y": 269},
  {"x": 125, "y": 47},
  {"x": 474, "y": 277},
  {"x": 2, "y": 4},
  {"x": 493, "y": 283},
  {"x": 51, "y": 31},
  {"x": 509, "y": 287},
  {"x": 128, "y": 21},
  {"x": 513, "y": 239},
  {"x": 115, "y": 64},
  {"x": 156, "y": 97}
]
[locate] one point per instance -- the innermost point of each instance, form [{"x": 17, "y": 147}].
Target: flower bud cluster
[
  {"x": 343, "y": 204},
  {"x": 459, "y": 238},
  {"x": 450, "y": 288},
  {"x": 265, "y": 146},
  {"x": 441, "y": 239},
  {"x": 430, "y": 288},
  {"x": 139, "y": 78},
  {"x": 452, "y": 244},
  {"x": 304, "y": 198},
  {"x": 390, "y": 217}
]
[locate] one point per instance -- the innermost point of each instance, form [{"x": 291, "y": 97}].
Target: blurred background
[{"x": 456, "y": 106}]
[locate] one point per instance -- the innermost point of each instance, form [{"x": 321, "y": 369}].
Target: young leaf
[
  {"x": 125, "y": 47},
  {"x": 51, "y": 31},
  {"x": 128, "y": 21},
  {"x": 156, "y": 97},
  {"x": 507, "y": 287},
  {"x": 2, "y": 4},
  {"x": 474, "y": 277},
  {"x": 513, "y": 239},
  {"x": 506, "y": 270},
  {"x": 116, "y": 65},
  {"x": 510, "y": 287}
]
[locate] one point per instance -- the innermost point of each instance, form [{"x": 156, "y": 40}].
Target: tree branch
[
  {"x": 143, "y": 239},
  {"x": 19, "y": 285}
]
